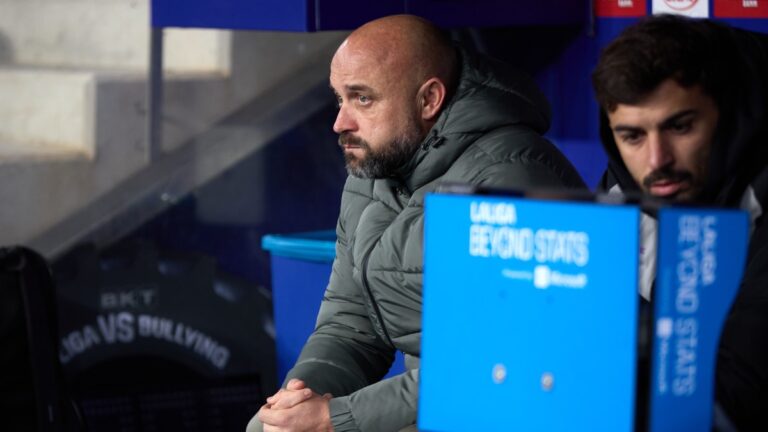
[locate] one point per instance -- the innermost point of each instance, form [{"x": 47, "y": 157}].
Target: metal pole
[{"x": 155, "y": 96}]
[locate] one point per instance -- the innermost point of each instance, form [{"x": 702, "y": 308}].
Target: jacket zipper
[
  {"x": 433, "y": 140},
  {"x": 370, "y": 296}
]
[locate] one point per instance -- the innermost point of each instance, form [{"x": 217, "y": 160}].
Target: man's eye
[
  {"x": 364, "y": 100},
  {"x": 338, "y": 101},
  {"x": 630, "y": 138},
  {"x": 681, "y": 128}
]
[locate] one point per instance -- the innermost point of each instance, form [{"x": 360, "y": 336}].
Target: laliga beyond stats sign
[
  {"x": 530, "y": 311},
  {"x": 700, "y": 262},
  {"x": 531, "y": 307}
]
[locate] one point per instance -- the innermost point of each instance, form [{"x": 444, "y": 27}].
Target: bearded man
[
  {"x": 414, "y": 111},
  {"x": 684, "y": 119}
]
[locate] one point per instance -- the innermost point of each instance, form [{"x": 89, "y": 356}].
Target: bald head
[
  {"x": 391, "y": 78},
  {"x": 407, "y": 46}
]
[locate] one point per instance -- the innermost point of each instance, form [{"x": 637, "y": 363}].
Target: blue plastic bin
[{"x": 301, "y": 266}]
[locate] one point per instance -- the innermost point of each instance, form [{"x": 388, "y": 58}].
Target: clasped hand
[{"x": 296, "y": 408}]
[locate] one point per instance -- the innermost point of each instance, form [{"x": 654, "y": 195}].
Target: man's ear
[{"x": 431, "y": 98}]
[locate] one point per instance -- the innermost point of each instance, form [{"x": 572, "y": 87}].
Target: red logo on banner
[
  {"x": 741, "y": 8},
  {"x": 681, "y": 5},
  {"x": 620, "y": 8}
]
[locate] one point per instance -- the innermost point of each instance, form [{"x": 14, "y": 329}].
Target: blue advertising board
[
  {"x": 529, "y": 319},
  {"x": 316, "y": 15},
  {"x": 700, "y": 263},
  {"x": 485, "y": 13},
  {"x": 286, "y": 15}
]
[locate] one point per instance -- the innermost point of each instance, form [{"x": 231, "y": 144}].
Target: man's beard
[{"x": 383, "y": 162}]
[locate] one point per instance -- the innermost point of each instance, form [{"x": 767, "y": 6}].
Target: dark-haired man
[
  {"x": 684, "y": 118},
  {"x": 413, "y": 111}
]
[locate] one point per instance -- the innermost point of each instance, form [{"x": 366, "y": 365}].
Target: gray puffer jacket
[{"x": 489, "y": 134}]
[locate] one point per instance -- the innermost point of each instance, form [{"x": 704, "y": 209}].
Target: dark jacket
[
  {"x": 489, "y": 134},
  {"x": 738, "y": 177}
]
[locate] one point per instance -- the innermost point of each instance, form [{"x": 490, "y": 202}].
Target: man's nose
[
  {"x": 344, "y": 121},
  {"x": 659, "y": 152}
]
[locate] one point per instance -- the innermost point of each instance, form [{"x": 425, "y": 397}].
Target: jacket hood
[
  {"x": 739, "y": 150},
  {"x": 490, "y": 94}
]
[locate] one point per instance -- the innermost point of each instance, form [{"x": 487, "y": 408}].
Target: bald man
[{"x": 414, "y": 111}]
